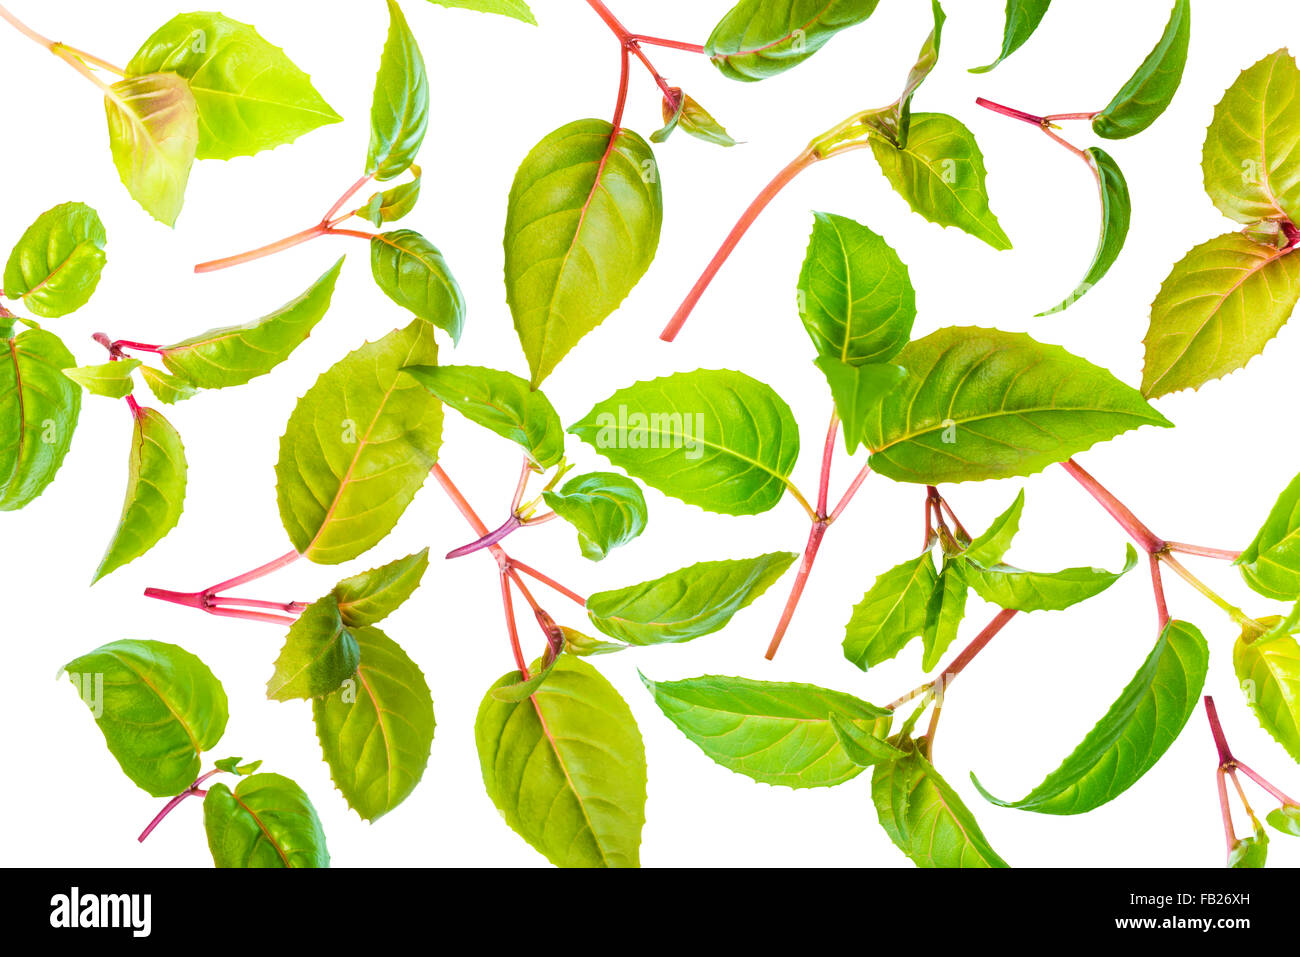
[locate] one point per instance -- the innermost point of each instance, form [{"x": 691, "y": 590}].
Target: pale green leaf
[
  {"x": 57, "y": 262},
  {"x": 109, "y": 379},
  {"x": 153, "y": 131},
  {"x": 891, "y": 613}
]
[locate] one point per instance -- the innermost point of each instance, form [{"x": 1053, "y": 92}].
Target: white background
[{"x": 498, "y": 87}]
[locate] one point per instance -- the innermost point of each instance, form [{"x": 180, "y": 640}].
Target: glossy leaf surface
[
  {"x": 320, "y": 653},
  {"x": 399, "y": 112},
  {"x": 1116, "y": 213},
  {"x": 515, "y": 9},
  {"x": 944, "y": 612},
  {"x": 1271, "y": 563},
  {"x": 891, "y": 613},
  {"x": 370, "y": 597},
  {"x": 694, "y": 120},
  {"x": 1250, "y": 851},
  {"x": 761, "y": 38},
  {"x": 153, "y": 132},
  {"x": 414, "y": 274},
  {"x": 1022, "y": 590},
  {"x": 858, "y": 392},
  {"x": 1269, "y": 672},
  {"x": 863, "y": 749},
  {"x": 39, "y": 408},
  {"x": 56, "y": 264},
  {"x": 267, "y": 821},
  {"x": 989, "y": 547},
  {"x": 392, "y": 204},
  {"x": 1022, "y": 19},
  {"x": 112, "y": 380},
  {"x": 1285, "y": 819},
  {"x": 607, "y": 509},
  {"x": 1150, "y": 90},
  {"x": 168, "y": 389}
]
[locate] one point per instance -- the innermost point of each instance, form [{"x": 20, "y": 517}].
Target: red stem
[
  {"x": 1150, "y": 542},
  {"x": 548, "y": 581},
  {"x": 761, "y": 201},
  {"x": 1221, "y": 553},
  {"x": 978, "y": 644},
  {"x": 828, "y": 453},
  {"x": 1216, "y": 729},
  {"x": 1228, "y": 832},
  {"x": 1255, "y": 776},
  {"x": 1158, "y": 588},
  {"x": 167, "y": 809},
  {"x": 1010, "y": 111},
  {"x": 670, "y": 44},
  {"x": 850, "y": 492},
  {"x": 511, "y": 628},
  {"x": 801, "y": 579},
  {"x": 261, "y": 571},
  {"x": 135, "y": 346}
]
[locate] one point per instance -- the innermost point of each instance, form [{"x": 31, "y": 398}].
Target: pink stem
[
  {"x": 1221, "y": 553},
  {"x": 487, "y": 541},
  {"x": 293, "y": 607},
  {"x": 801, "y": 579},
  {"x": 1011, "y": 112},
  {"x": 1149, "y": 541},
  {"x": 270, "y": 249},
  {"x": 1258, "y": 779},
  {"x": 1157, "y": 586},
  {"x": 548, "y": 581},
  {"x": 351, "y": 191},
  {"x": 288, "y": 558},
  {"x": 852, "y": 490},
  {"x": 828, "y": 453},
  {"x": 167, "y": 809},
  {"x": 671, "y": 44},
  {"x": 1216, "y": 729}
]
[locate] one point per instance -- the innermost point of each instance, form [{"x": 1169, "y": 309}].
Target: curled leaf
[
  {"x": 693, "y": 119},
  {"x": 607, "y": 509},
  {"x": 57, "y": 262},
  {"x": 1022, "y": 19},
  {"x": 1150, "y": 90},
  {"x": 1116, "y": 212},
  {"x": 413, "y": 273}
]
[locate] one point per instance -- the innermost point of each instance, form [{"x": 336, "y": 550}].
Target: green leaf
[
  {"x": 39, "y": 407},
  {"x": 981, "y": 404},
  {"x": 370, "y": 597},
  {"x": 249, "y": 95},
  {"x": 158, "y": 706},
  {"x": 855, "y": 296},
  {"x": 582, "y": 227},
  {"x": 1150, "y": 90},
  {"x": 713, "y": 438},
  {"x": 988, "y": 549},
  {"x": 940, "y": 172},
  {"x": 56, "y": 265},
  {"x": 761, "y": 38},
  {"x": 694, "y": 120},
  {"x": 155, "y": 491},
  {"x": 320, "y": 653},
  {"x": 1023, "y": 17},
  {"x": 1286, "y": 819},
  {"x": 1271, "y": 563},
  {"x": 1216, "y": 311},
  {"x": 1250, "y": 851},
  {"x": 357, "y": 448},
  {"x": 376, "y": 732},
  {"x": 392, "y": 204},
  {"x": 516, "y": 9},
  {"x": 576, "y": 643},
  {"x": 566, "y": 767},
  {"x": 944, "y": 612},
  {"x": 863, "y": 749},
  {"x": 1251, "y": 159},
  {"x": 607, "y": 509},
  {"x": 1116, "y": 211},
  {"x": 232, "y": 355},
  {"x": 413, "y": 273},
  {"x": 693, "y": 601},
  {"x": 109, "y": 379},
  {"x": 1042, "y": 591},
  {"x": 237, "y": 766},
  {"x": 523, "y": 689},
  {"x": 502, "y": 402},
  {"x": 399, "y": 113},
  {"x": 168, "y": 389},
  {"x": 926, "y": 60},
  {"x": 925, "y": 818},
  {"x": 1269, "y": 672},
  {"x": 776, "y": 732},
  {"x": 1133, "y": 735},
  {"x": 858, "y": 392},
  {"x": 891, "y": 613},
  {"x": 153, "y": 131},
  {"x": 267, "y": 821}
]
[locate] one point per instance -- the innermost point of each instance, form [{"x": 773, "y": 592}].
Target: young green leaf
[
  {"x": 1023, "y": 17},
  {"x": 1269, "y": 672},
  {"x": 863, "y": 749},
  {"x": 158, "y": 706},
  {"x": 370, "y": 597},
  {"x": 761, "y": 38},
  {"x": 155, "y": 491},
  {"x": 982, "y": 403},
  {"x": 944, "y": 612},
  {"x": 1116, "y": 211},
  {"x": 582, "y": 227},
  {"x": 694, "y": 120},
  {"x": 320, "y": 653},
  {"x": 1150, "y": 90},
  {"x": 413, "y": 273},
  {"x": 566, "y": 767},
  {"x": 392, "y": 204},
  {"x": 168, "y": 389},
  {"x": 56, "y": 265},
  {"x": 1133, "y": 735},
  {"x": 236, "y": 766},
  {"x": 1250, "y": 851},
  {"x": 858, "y": 392},
  {"x": 713, "y": 438},
  {"x": 607, "y": 509},
  {"x": 576, "y": 643},
  {"x": 1217, "y": 310},
  {"x": 891, "y": 613},
  {"x": 267, "y": 821},
  {"x": 502, "y": 402},
  {"x": 1285, "y": 819},
  {"x": 925, "y": 818},
  {"x": 39, "y": 407},
  {"x": 358, "y": 446},
  {"x": 855, "y": 296},
  {"x": 249, "y": 95},
  {"x": 1251, "y": 158},
  {"x": 109, "y": 379},
  {"x": 1041, "y": 591},
  {"x": 399, "y": 113},
  {"x": 1271, "y": 563},
  {"x": 940, "y": 172},
  {"x": 988, "y": 549},
  {"x": 693, "y": 601},
  {"x": 376, "y": 732},
  {"x": 153, "y": 132},
  {"x": 926, "y": 60},
  {"x": 521, "y": 690},
  {"x": 776, "y": 732},
  {"x": 516, "y": 9},
  {"x": 232, "y": 355}
]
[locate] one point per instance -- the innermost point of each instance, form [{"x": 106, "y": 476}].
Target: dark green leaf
[
  {"x": 1133, "y": 735},
  {"x": 399, "y": 113},
  {"x": 1116, "y": 211},
  {"x": 761, "y": 38},
  {"x": 39, "y": 407},
  {"x": 158, "y": 706},
  {"x": 267, "y": 821},
  {"x": 56, "y": 265},
  {"x": 693, "y": 601},
  {"x": 153, "y": 131},
  {"x": 372, "y": 596},
  {"x": 1023, "y": 17},
  {"x": 1041, "y": 591},
  {"x": 607, "y": 509},
  {"x": 891, "y": 613},
  {"x": 413, "y": 273},
  {"x": 1150, "y": 90}
]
